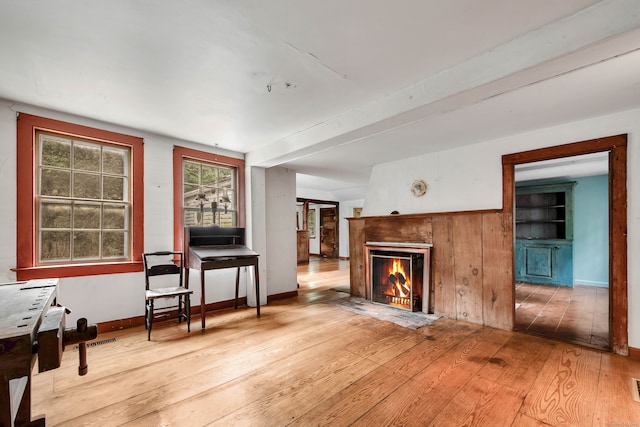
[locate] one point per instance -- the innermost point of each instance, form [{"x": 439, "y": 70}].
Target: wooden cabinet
[
  {"x": 544, "y": 234},
  {"x": 303, "y": 246}
]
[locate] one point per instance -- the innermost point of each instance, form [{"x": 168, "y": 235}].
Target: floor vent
[
  {"x": 95, "y": 343},
  {"x": 635, "y": 389}
]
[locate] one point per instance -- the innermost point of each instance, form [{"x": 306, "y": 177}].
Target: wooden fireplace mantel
[{"x": 471, "y": 260}]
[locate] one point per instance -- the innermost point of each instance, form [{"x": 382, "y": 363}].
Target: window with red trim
[
  {"x": 80, "y": 204},
  {"x": 208, "y": 190}
]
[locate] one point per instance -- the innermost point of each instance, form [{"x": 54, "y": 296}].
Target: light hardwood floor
[
  {"x": 308, "y": 363},
  {"x": 579, "y": 314}
]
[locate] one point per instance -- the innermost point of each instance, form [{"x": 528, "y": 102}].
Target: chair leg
[
  {"x": 146, "y": 314},
  {"x": 180, "y": 312},
  {"x": 150, "y": 320}
]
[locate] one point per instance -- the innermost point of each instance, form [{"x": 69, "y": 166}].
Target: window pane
[
  {"x": 86, "y": 216},
  {"x": 209, "y": 194},
  {"x": 113, "y": 188},
  {"x": 76, "y": 178},
  {"x": 55, "y": 215},
  {"x": 113, "y": 161},
  {"x": 227, "y": 198},
  {"x": 207, "y": 219},
  {"x": 228, "y": 219},
  {"x": 55, "y": 183},
  {"x": 190, "y": 217},
  {"x": 191, "y": 173},
  {"x": 114, "y": 217},
  {"x": 190, "y": 193},
  {"x": 206, "y": 184},
  {"x": 209, "y": 174},
  {"x": 225, "y": 176},
  {"x": 55, "y": 245},
  {"x": 86, "y": 244},
  {"x": 86, "y": 157},
  {"x": 86, "y": 185},
  {"x": 113, "y": 244},
  {"x": 55, "y": 151}
]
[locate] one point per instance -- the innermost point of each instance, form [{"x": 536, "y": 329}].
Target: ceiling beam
[{"x": 603, "y": 31}]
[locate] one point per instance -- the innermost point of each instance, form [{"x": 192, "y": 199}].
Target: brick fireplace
[{"x": 397, "y": 274}]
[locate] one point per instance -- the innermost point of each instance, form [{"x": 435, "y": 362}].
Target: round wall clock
[{"x": 419, "y": 187}]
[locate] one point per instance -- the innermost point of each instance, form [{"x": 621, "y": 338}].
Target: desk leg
[
  {"x": 202, "y": 299},
  {"x": 237, "y": 286},
  {"x": 255, "y": 269}
]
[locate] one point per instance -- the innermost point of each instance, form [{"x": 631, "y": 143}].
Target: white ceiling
[
  {"x": 564, "y": 168},
  {"x": 328, "y": 88}
]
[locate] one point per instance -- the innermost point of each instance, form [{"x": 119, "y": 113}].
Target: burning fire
[{"x": 398, "y": 280}]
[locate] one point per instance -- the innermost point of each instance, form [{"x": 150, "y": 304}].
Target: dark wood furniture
[
  {"x": 166, "y": 263},
  {"x": 211, "y": 248},
  {"x": 303, "y": 246},
  {"x": 30, "y": 324}
]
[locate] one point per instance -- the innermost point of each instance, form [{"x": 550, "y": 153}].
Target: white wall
[
  {"x": 114, "y": 296},
  {"x": 346, "y": 211},
  {"x": 470, "y": 178},
  {"x": 281, "y": 237}
]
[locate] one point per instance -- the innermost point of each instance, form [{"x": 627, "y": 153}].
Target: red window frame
[
  {"x": 182, "y": 153},
  {"x": 26, "y": 268}
]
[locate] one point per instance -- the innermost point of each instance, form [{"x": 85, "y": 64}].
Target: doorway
[
  {"x": 319, "y": 218},
  {"x": 561, "y": 249},
  {"x": 328, "y": 232},
  {"x": 616, "y": 146}
]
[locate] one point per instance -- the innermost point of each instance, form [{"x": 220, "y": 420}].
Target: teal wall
[{"x": 591, "y": 231}]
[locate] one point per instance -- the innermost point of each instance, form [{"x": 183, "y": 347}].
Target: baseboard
[
  {"x": 634, "y": 353},
  {"x": 116, "y": 325},
  {"x": 283, "y": 295},
  {"x": 131, "y": 322}
]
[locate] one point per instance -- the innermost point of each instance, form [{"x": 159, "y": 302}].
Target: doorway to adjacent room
[
  {"x": 319, "y": 219},
  {"x": 615, "y": 146}
]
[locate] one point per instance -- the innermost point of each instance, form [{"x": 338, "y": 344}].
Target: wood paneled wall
[{"x": 471, "y": 260}]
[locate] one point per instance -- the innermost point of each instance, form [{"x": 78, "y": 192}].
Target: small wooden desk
[{"x": 209, "y": 248}]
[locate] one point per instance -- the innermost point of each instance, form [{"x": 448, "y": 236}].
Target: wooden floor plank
[
  {"x": 616, "y": 405},
  {"x": 421, "y": 399},
  {"x": 483, "y": 402},
  {"x": 578, "y": 314},
  {"x": 565, "y": 391},
  {"x": 514, "y": 368},
  {"x": 304, "y": 362},
  {"x": 347, "y": 405}
]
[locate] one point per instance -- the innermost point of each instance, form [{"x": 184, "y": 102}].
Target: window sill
[{"x": 77, "y": 270}]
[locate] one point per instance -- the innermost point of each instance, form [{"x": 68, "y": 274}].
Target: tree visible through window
[
  {"x": 83, "y": 199},
  {"x": 209, "y": 194}
]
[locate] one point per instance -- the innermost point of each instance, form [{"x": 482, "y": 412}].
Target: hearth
[{"x": 398, "y": 274}]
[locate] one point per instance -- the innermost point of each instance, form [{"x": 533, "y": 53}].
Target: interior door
[{"x": 328, "y": 223}]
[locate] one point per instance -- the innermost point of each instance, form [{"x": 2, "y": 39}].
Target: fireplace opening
[{"x": 397, "y": 279}]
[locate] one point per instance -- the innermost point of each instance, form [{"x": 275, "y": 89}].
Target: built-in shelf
[
  {"x": 544, "y": 234},
  {"x": 543, "y": 212}
]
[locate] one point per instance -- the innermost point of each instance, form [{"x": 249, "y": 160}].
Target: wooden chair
[{"x": 162, "y": 264}]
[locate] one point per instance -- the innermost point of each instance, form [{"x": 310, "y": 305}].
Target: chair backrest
[{"x": 162, "y": 263}]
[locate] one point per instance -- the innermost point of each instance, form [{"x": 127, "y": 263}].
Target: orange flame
[{"x": 403, "y": 289}]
